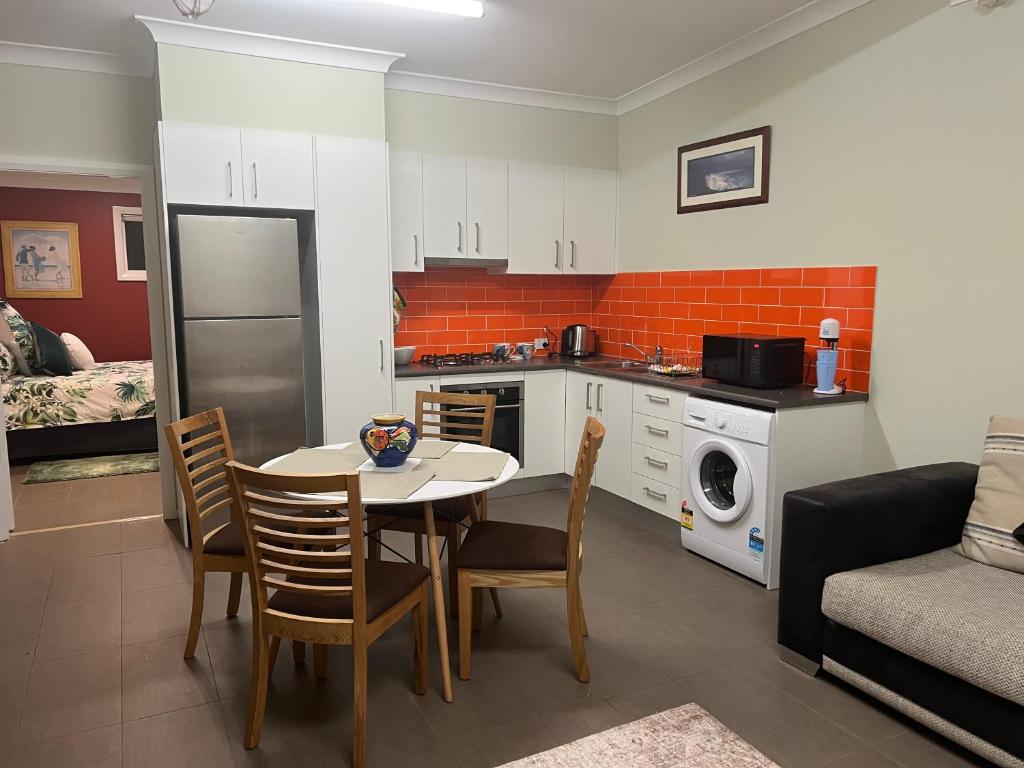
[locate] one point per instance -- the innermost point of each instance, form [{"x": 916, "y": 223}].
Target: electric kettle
[{"x": 578, "y": 341}]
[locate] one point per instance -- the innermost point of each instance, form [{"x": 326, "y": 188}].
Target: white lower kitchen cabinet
[
  {"x": 544, "y": 423},
  {"x": 610, "y": 401},
  {"x": 354, "y": 283},
  {"x": 657, "y": 450},
  {"x": 657, "y": 496},
  {"x": 613, "y": 406},
  {"x": 405, "y": 393}
]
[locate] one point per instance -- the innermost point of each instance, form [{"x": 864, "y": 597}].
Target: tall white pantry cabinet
[{"x": 344, "y": 181}]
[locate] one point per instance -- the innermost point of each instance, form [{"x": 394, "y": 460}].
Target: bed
[{"x": 107, "y": 409}]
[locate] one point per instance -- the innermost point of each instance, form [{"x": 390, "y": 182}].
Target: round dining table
[{"x": 429, "y": 492}]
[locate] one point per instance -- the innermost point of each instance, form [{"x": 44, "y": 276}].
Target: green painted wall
[
  {"x": 456, "y": 126},
  {"x": 62, "y": 115},
  {"x": 896, "y": 143},
  {"x": 200, "y": 86}
]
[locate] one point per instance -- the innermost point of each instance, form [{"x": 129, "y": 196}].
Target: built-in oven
[{"x": 507, "y": 434}]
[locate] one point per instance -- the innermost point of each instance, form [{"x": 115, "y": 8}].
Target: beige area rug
[{"x": 684, "y": 737}]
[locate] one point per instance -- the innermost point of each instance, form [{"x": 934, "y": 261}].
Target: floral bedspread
[{"x": 109, "y": 392}]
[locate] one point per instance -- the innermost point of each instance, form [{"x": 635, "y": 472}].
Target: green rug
[{"x": 97, "y": 466}]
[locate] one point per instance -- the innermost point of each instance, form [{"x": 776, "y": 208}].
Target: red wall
[
  {"x": 461, "y": 309},
  {"x": 112, "y": 317}
]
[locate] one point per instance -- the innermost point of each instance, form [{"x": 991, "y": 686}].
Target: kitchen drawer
[
  {"x": 657, "y": 465},
  {"x": 657, "y": 496},
  {"x": 658, "y": 433},
  {"x": 655, "y": 401}
]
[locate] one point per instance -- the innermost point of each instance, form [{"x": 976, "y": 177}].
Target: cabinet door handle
[
  {"x": 231, "y": 181},
  {"x": 415, "y": 249},
  {"x": 589, "y": 385},
  {"x": 658, "y": 399},
  {"x": 556, "y": 254},
  {"x": 572, "y": 254},
  {"x": 600, "y": 388},
  {"x": 255, "y": 182},
  {"x": 431, "y": 387},
  {"x": 381, "y": 354},
  {"x": 656, "y": 462},
  {"x": 655, "y": 494},
  {"x": 476, "y": 225},
  {"x": 656, "y": 431},
  {"x": 460, "y": 236}
]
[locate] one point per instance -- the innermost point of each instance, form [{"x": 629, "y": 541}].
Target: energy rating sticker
[{"x": 685, "y": 517}]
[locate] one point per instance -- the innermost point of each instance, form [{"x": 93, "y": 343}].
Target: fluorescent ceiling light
[{"x": 471, "y": 8}]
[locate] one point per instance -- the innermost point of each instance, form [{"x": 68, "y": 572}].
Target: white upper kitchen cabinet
[
  {"x": 535, "y": 218},
  {"x": 487, "y": 208},
  {"x": 277, "y": 169},
  {"x": 355, "y": 283},
  {"x": 613, "y": 407},
  {"x": 406, "y": 190},
  {"x": 591, "y": 200},
  {"x": 201, "y": 164},
  {"x": 444, "y": 207}
]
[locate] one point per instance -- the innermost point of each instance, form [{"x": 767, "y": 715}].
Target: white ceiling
[{"x": 597, "y": 48}]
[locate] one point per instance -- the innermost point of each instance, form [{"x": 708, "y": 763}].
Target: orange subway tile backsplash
[{"x": 454, "y": 309}]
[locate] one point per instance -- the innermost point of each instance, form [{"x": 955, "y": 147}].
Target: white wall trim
[
  {"x": 793, "y": 23},
  {"x": 190, "y": 35},
  {"x": 507, "y": 94},
  {"x": 67, "y": 181},
  {"x": 76, "y": 59}
]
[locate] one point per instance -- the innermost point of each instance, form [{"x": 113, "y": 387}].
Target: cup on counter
[
  {"x": 525, "y": 349},
  {"x": 502, "y": 350}
]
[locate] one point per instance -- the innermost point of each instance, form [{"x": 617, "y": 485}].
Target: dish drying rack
[{"x": 687, "y": 364}]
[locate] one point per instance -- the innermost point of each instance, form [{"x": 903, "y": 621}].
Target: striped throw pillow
[{"x": 998, "y": 507}]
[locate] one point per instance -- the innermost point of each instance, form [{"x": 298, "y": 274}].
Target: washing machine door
[{"x": 720, "y": 480}]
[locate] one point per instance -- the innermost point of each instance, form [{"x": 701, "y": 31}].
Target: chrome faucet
[{"x": 656, "y": 359}]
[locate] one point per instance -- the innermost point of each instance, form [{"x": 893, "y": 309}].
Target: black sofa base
[{"x": 990, "y": 718}]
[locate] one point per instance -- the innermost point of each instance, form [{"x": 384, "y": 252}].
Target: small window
[{"x": 129, "y": 247}]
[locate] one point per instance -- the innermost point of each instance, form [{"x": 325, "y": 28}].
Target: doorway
[{"x": 83, "y": 449}]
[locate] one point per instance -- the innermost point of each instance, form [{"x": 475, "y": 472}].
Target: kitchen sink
[{"x": 621, "y": 364}]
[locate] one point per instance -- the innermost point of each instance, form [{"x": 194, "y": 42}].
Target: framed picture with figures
[{"x": 41, "y": 260}]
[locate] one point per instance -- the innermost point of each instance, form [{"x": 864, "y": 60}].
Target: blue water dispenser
[{"x": 828, "y": 358}]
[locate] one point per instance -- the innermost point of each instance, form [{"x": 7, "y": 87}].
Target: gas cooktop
[{"x": 462, "y": 358}]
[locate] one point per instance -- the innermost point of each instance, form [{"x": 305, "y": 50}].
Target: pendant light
[{"x": 193, "y": 9}]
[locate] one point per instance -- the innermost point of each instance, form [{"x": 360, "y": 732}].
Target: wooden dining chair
[
  {"x": 437, "y": 418},
  {"x": 309, "y": 551},
  {"x": 498, "y": 554},
  {"x": 201, "y": 447}
]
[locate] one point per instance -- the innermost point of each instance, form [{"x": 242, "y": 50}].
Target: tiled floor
[
  {"x": 94, "y": 622},
  {"x": 50, "y": 505}
]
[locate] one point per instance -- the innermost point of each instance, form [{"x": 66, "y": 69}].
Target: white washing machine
[{"x": 727, "y": 478}]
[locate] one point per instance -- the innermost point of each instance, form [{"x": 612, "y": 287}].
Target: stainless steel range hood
[{"x": 495, "y": 265}]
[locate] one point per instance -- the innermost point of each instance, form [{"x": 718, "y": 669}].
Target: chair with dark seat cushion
[
  {"x": 310, "y": 552},
  {"x": 386, "y": 584},
  {"x": 226, "y": 540},
  {"x": 513, "y": 547},
  {"x": 201, "y": 447},
  {"x": 455, "y": 417},
  {"x": 498, "y": 554}
]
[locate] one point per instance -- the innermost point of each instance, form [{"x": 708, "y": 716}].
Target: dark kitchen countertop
[{"x": 768, "y": 399}]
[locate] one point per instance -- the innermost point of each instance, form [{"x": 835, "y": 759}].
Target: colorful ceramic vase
[{"x": 388, "y": 439}]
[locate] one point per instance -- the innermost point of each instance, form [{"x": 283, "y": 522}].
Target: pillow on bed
[
  {"x": 52, "y": 357},
  {"x": 81, "y": 357},
  {"x": 7, "y": 365},
  {"x": 16, "y": 335}
]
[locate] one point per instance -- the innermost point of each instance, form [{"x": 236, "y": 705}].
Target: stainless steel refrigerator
[{"x": 241, "y": 326}]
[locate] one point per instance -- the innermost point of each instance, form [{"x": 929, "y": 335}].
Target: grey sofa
[{"x": 873, "y": 593}]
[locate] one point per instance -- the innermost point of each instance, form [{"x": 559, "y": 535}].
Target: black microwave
[{"x": 754, "y": 360}]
